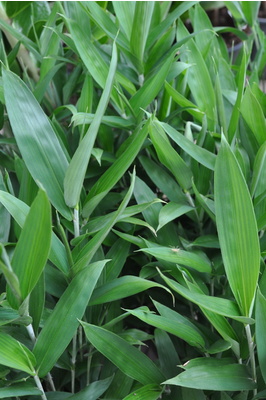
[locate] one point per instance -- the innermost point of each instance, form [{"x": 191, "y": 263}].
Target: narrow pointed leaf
[
  {"x": 199, "y": 154},
  {"x": 237, "y": 228},
  {"x": 127, "y": 358},
  {"x": 19, "y": 211},
  {"x": 88, "y": 251},
  {"x": 182, "y": 257},
  {"x": 213, "y": 374},
  {"x": 116, "y": 171},
  {"x": 77, "y": 168},
  {"x": 120, "y": 288},
  {"x": 36, "y": 139},
  {"x": 63, "y": 322},
  {"x": 172, "y": 211},
  {"x": 260, "y": 331},
  {"x": 217, "y": 305},
  {"x": 148, "y": 392},
  {"x": 33, "y": 247},
  {"x": 14, "y": 354},
  {"x": 20, "y": 389},
  {"x": 181, "y": 329}
]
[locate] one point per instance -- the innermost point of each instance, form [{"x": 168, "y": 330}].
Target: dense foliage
[{"x": 133, "y": 201}]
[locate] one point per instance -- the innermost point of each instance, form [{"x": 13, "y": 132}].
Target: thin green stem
[
  {"x": 73, "y": 362},
  {"x": 252, "y": 355},
  {"x": 76, "y": 221},
  {"x": 39, "y": 386}
]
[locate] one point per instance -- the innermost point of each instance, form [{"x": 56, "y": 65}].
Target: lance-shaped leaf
[
  {"x": 122, "y": 287},
  {"x": 147, "y": 392},
  {"x": 14, "y": 354},
  {"x": 217, "y": 305},
  {"x": 77, "y": 168},
  {"x": 36, "y": 139},
  {"x": 26, "y": 388},
  {"x": 169, "y": 157},
  {"x": 180, "y": 328},
  {"x": 260, "y": 331},
  {"x": 237, "y": 228},
  {"x": 63, "y": 322},
  {"x": 213, "y": 374},
  {"x": 116, "y": 170},
  {"x": 19, "y": 211},
  {"x": 127, "y": 358},
  {"x": 178, "y": 256},
  {"x": 33, "y": 247}
]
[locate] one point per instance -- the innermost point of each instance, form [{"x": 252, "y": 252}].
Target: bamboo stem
[{"x": 252, "y": 355}]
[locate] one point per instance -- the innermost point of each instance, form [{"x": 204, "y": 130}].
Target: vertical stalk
[
  {"x": 39, "y": 386},
  {"x": 252, "y": 355},
  {"x": 74, "y": 342}
]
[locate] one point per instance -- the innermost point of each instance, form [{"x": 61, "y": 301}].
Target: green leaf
[
  {"x": 147, "y": 93},
  {"x": 120, "y": 288},
  {"x": 217, "y": 305},
  {"x": 19, "y": 212},
  {"x": 14, "y": 354},
  {"x": 177, "y": 326},
  {"x": 252, "y": 113},
  {"x": 183, "y": 102},
  {"x": 127, "y": 358},
  {"x": 237, "y": 228},
  {"x": 199, "y": 154},
  {"x": 19, "y": 389},
  {"x": 198, "y": 76},
  {"x": 178, "y": 256},
  {"x": 172, "y": 211},
  {"x": 214, "y": 374},
  {"x": 63, "y": 322},
  {"x": 140, "y": 30},
  {"x": 124, "y": 12},
  {"x": 93, "y": 391},
  {"x": 260, "y": 331},
  {"x": 148, "y": 392},
  {"x": 36, "y": 139},
  {"x": 85, "y": 255},
  {"x": 169, "y": 157},
  {"x": 116, "y": 171},
  {"x": 33, "y": 247},
  {"x": 76, "y": 171}
]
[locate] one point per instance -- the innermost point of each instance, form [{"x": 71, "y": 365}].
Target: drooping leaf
[
  {"x": 214, "y": 374},
  {"x": 127, "y": 358},
  {"x": 14, "y": 354}
]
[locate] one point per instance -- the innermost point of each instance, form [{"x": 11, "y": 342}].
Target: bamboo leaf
[
  {"x": 237, "y": 228},
  {"x": 147, "y": 392},
  {"x": 14, "y": 354},
  {"x": 182, "y": 329},
  {"x": 200, "y": 154},
  {"x": 63, "y": 322},
  {"x": 19, "y": 211},
  {"x": 88, "y": 251},
  {"x": 93, "y": 391},
  {"x": 122, "y": 287},
  {"x": 260, "y": 331},
  {"x": 116, "y": 171},
  {"x": 169, "y": 157},
  {"x": 36, "y": 139},
  {"x": 217, "y": 305},
  {"x": 252, "y": 113},
  {"x": 33, "y": 247},
  {"x": 127, "y": 358},
  {"x": 76, "y": 171},
  {"x": 214, "y": 374},
  {"x": 178, "y": 256},
  {"x": 139, "y": 33},
  {"x": 20, "y": 389},
  {"x": 172, "y": 211}
]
